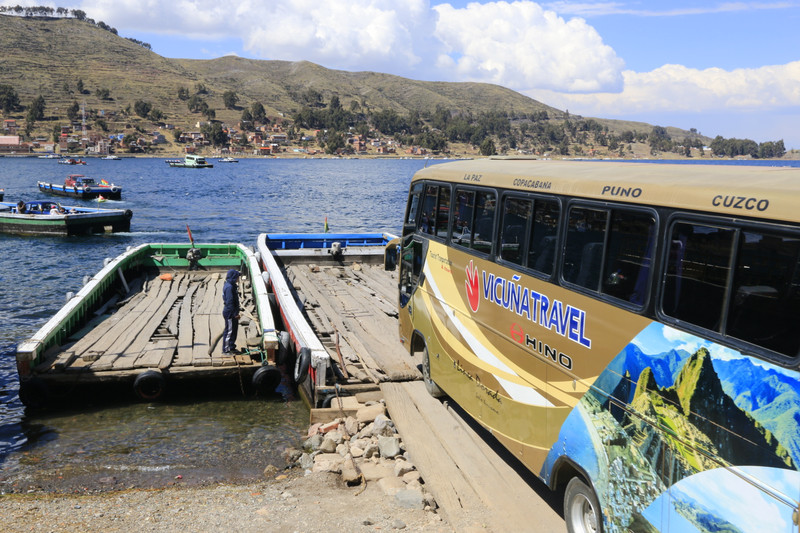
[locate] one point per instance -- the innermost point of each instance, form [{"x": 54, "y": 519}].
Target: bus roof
[{"x": 743, "y": 191}]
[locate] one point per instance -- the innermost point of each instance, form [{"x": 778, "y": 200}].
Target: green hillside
[{"x": 55, "y": 57}]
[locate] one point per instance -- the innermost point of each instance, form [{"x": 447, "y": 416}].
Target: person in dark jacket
[{"x": 230, "y": 312}]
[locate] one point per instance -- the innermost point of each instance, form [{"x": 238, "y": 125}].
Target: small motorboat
[
  {"x": 228, "y": 160},
  {"x": 79, "y": 186},
  {"x": 43, "y": 217},
  {"x": 71, "y": 161},
  {"x": 190, "y": 161}
]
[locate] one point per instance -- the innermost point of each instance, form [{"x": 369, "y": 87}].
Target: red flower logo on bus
[{"x": 473, "y": 287}]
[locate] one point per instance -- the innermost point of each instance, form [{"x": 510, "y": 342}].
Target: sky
[{"x": 722, "y": 67}]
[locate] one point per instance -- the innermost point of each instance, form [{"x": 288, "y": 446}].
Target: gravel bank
[{"x": 291, "y": 502}]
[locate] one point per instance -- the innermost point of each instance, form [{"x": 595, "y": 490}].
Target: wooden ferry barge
[
  {"x": 337, "y": 311},
  {"x": 150, "y": 317}
]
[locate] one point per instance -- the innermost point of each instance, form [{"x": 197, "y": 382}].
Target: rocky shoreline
[{"x": 351, "y": 474}]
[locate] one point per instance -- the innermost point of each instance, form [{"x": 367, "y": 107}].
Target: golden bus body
[{"x": 628, "y": 330}]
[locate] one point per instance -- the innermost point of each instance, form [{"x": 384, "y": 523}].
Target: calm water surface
[{"x": 193, "y": 439}]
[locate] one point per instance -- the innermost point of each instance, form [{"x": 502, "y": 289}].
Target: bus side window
[
  {"x": 544, "y": 230},
  {"x": 413, "y": 206},
  {"x": 464, "y": 209},
  {"x": 765, "y": 302},
  {"x": 427, "y": 219},
  {"x": 629, "y": 256},
  {"x": 583, "y": 252},
  {"x": 697, "y": 274},
  {"x": 516, "y": 219},
  {"x": 483, "y": 235}
]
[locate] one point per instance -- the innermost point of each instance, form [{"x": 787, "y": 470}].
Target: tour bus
[{"x": 629, "y": 331}]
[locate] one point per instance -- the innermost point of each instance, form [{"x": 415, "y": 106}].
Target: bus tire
[
  {"x": 150, "y": 385},
  {"x": 266, "y": 379},
  {"x": 284, "y": 354},
  {"x": 430, "y": 385},
  {"x": 34, "y": 393},
  {"x": 301, "y": 365},
  {"x": 581, "y": 508}
]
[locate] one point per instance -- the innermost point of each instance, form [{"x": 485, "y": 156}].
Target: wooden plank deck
[
  {"x": 167, "y": 325},
  {"x": 349, "y": 306}
]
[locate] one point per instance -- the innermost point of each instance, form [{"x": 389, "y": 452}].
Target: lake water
[{"x": 200, "y": 439}]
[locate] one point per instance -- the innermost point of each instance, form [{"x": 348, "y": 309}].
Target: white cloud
[
  {"x": 520, "y": 45},
  {"x": 680, "y": 89}
]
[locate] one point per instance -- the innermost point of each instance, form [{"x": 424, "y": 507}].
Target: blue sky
[{"x": 724, "y": 68}]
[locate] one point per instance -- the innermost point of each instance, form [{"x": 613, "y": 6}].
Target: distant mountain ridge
[{"x": 48, "y": 56}]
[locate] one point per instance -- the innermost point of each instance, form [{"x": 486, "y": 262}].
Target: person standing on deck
[{"x": 230, "y": 312}]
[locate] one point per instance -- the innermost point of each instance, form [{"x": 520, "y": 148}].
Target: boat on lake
[
  {"x": 337, "y": 312},
  {"x": 150, "y": 319},
  {"x": 190, "y": 161},
  {"x": 48, "y": 156},
  {"x": 51, "y": 218},
  {"x": 79, "y": 186},
  {"x": 2, "y": 193},
  {"x": 111, "y": 157},
  {"x": 71, "y": 161},
  {"x": 228, "y": 160}
]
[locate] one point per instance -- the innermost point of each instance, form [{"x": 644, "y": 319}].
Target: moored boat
[
  {"x": 79, "y": 186},
  {"x": 71, "y": 161},
  {"x": 190, "y": 161},
  {"x": 149, "y": 319},
  {"x": 228, "y": 160},
  {"x": 111, "y": 157},
  {"x": 50, "y": 218},
  {"x": 336, "y": 312}
]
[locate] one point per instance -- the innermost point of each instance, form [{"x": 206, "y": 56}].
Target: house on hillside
[
  {"x": 10, "y": 126},
  {"x": 10, "y": 144}
]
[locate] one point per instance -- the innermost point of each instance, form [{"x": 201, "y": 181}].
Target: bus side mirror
[{"x": 390, "y": 255}]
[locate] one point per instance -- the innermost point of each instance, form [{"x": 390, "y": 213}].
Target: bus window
[
  {"x": 765, "y": 302},
  {"x": 413, "y": 205},
  {"x": 464, "y": 208},
  {"x": 428, "y": 215},
  {"x": 631, "y": 242},
  {"x": 697, "y": 273},
  {"x": 583, "y": 252},
  {"x": 542, "y": 245},
  {"x": 485, "y": 205},
  {"x": 443, "y": 212},
  {"x": 516, "y": 219}
]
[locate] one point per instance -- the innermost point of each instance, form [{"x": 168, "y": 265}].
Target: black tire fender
[
  {"x": 128, "y": 213},
  {"x": 115, "y": 190},
  {"x": 150, "y": 385},
  {"x": 301, "y": 365},
  {"x": 266, "y": 379},
  {"x": 87, "y": 189},
  {"x": 285, "y": 348},
  {"x": 582, "y": 512}
]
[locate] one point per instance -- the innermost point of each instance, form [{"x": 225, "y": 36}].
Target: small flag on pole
[
  {"x": 190, "y": 234},
  {"x": 326, "y": 224},
  {"x": 103, "y": 182}
]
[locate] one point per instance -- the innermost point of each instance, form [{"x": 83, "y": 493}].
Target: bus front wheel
[
  {"x": 433, "y": 388},
  {"x": 581, "y": 508}
]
